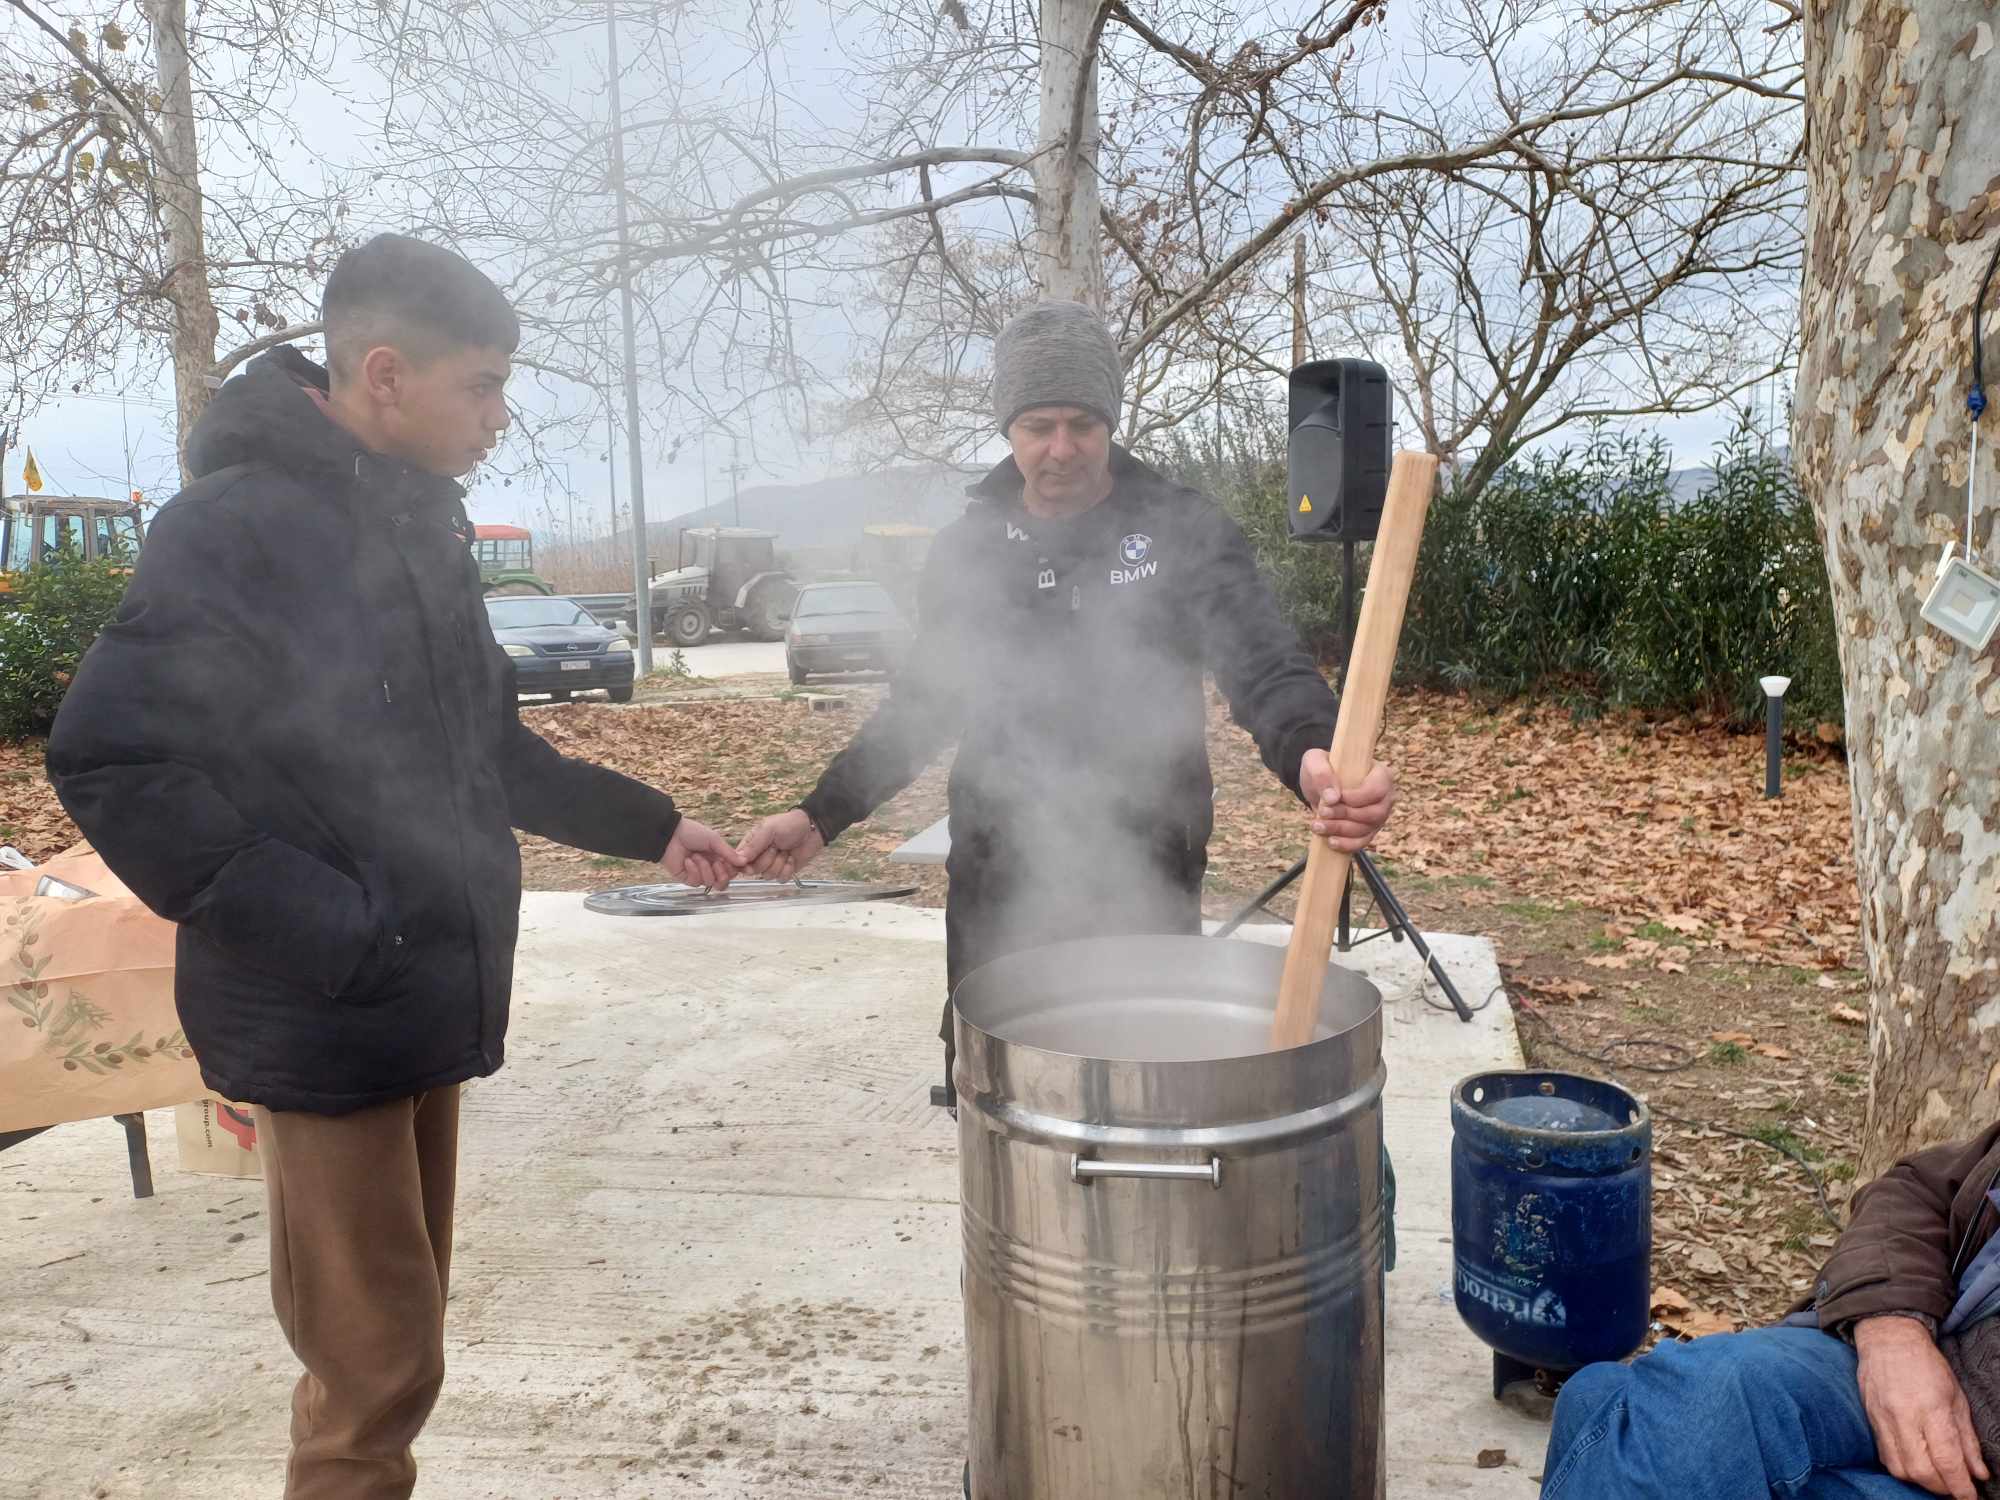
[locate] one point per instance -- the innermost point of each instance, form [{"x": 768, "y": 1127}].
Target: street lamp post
[
  {"x": 736, "y": 479},
  {"x": 642, "y": 601}
]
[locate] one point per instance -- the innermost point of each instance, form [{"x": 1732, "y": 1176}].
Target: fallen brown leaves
[
  {"x": 1756, "y": 1089},
  {"x": 1662, "y": 825},
  {"x": 1549, "y": 988},
  {"x": 1755, "y": 1092},
  {"x": 1676, "y": 1315},
  {"x": 1734, "y": 1221},
  {"x": 1658, "y": 822},
  {"x": 30, "y": 817},
  {"x": 729, "y": 763},
  {"x": 1631, "y": 872}
]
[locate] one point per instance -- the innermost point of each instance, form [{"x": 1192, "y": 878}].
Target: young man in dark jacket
[
  {"x": 299, "y": 742},
  {"x": 1065, "y": 623},
  {"x": 1885, "y": 1385}
]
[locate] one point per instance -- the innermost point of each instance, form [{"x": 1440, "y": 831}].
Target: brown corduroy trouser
[{"x": 361, "y": 1210}]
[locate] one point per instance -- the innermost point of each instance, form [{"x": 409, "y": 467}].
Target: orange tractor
[{"x": 35, "y": 529}]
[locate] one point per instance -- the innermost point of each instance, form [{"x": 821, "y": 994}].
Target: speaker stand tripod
[{"x": 1396, "y": 923}]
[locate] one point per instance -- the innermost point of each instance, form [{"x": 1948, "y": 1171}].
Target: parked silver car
[{"x": 844, "y": 627}]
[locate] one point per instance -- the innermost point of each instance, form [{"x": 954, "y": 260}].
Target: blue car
[{"x": 558, "y": 649}]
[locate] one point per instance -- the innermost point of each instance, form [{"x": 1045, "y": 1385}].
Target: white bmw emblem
[{"x": 1134, "y": 548}]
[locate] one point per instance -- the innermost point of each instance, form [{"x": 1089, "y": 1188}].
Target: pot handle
[{"x": 1082, "y": 1169}]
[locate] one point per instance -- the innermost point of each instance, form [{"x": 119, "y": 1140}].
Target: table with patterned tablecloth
[{"x": 87, "y": 1021}]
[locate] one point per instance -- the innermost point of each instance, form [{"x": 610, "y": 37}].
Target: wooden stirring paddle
[{"x": 1354, "y": 734}]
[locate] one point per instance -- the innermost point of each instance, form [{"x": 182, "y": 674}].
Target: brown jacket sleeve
[{"x": 1896, "y": 1255}]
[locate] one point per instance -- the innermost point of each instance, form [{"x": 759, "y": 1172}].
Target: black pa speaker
[{"x": 1338, "y": 450}]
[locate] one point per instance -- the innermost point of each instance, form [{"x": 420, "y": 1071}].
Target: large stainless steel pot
[{"x": 1173, "y": 1238}]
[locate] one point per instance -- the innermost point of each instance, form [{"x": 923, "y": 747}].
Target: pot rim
[{"x": 1338, "y": 977}]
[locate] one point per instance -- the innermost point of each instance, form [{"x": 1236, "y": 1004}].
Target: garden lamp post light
[{"x": 1774, "y": 732}]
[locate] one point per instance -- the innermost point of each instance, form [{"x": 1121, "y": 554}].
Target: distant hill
[
  {"x": 819, "y": 525},
  {"x": 1685, "y": 485},
  {"x": 830, "y": 513}
]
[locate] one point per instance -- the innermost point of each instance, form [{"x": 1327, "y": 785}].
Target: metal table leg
[{"x": 135, "y": 1148}]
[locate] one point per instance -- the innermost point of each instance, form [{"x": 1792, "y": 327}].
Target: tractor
[
  {"x": 724, "y": 577},
  {"x": 35, "y": 529},
  {"x": 506, "y": 558}
]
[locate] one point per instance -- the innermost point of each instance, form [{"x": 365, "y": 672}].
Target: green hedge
[
  {"x": 46, "y": 624},
  {"x": 1575, "y": 575}
]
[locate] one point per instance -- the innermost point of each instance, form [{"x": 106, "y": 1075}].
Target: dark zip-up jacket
[
  {"x": 299, "y": 742},
  {"x": 1911, "y": 1234},
  {"x": 1066, "y": 660}
]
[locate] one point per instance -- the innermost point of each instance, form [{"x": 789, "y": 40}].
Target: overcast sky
[{"x": 120, "y": 432}]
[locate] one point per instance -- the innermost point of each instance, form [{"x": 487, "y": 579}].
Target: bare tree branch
[{"x": 247, "y": 352}]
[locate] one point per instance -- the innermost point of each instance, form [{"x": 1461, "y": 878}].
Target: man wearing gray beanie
[
  {"x": 1057, "y": 354},
  {"x": 1065, "y": 625}
]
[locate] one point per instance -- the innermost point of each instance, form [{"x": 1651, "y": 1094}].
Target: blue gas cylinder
[{"x": 1551, "y": 1220}]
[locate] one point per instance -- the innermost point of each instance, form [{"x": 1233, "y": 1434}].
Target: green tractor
[{"x": 506, "y": 558}]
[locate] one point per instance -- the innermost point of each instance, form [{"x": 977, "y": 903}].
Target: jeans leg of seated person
[
  {"x": 1858, "y": 1484},
  {"x": 1737, "y": 1416}
]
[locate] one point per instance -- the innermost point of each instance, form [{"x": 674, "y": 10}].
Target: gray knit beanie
[{"x": 1056, "y": 354}]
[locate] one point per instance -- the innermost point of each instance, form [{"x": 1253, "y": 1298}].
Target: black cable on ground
[
  {"x": 1688, "y": 1058},
  {"x": 1424, "y": 989},
  {"x": 1602, "y": 1057}
]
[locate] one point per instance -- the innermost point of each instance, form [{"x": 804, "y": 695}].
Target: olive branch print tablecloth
[{"x": 87, "y": 1021}]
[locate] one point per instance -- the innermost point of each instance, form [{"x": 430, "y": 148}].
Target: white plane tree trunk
[{"x": 1903, "y": 163}]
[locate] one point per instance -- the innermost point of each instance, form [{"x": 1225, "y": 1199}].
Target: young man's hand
[
  {"x": 1923, "y": 1426},
  {"x": 698, "y": 855},
  {"x": 1348, "y": 818},
  {"x": 780, "y": 846}
]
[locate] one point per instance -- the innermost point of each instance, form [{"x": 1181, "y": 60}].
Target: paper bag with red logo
[{"x": 216, "y": 1138}]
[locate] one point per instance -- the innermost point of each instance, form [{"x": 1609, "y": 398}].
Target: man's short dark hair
[{"x": 421, "y": 299}]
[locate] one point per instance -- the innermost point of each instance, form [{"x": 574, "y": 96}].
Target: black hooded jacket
[
  {"x": 1066, "y": 660},
  {"x": 299, "y": 742}
]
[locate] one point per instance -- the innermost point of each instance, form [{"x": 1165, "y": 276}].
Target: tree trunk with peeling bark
[
  {"x": 1069, "y": 258},
  {"x": 177, "y": 182},
  {"x": 1903, "y": 161}
]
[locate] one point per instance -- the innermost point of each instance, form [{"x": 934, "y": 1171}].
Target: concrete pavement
[
  {"x": 707, "y": 1245},
  {"x": 726, "y": 656}
]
